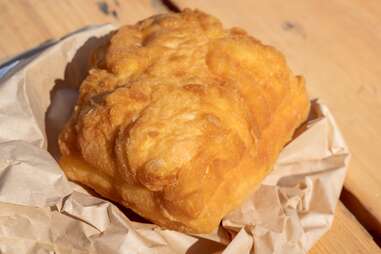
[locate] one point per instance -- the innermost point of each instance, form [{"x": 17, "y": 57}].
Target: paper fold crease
[{"x": 42, "y": 212}]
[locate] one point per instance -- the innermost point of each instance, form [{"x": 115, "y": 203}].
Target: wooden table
[{"x": 335, "y": 44}]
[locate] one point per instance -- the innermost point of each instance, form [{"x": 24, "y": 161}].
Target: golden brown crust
[{"x": 182, "y": 119}]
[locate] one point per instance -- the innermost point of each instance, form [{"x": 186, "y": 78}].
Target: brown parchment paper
[{"x": 42, "y": 212}]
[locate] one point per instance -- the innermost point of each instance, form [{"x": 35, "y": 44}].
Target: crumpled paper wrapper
[{"x": 42, "y": 212}]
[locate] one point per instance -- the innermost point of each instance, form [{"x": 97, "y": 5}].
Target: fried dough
[{"x": 180, "y": 119}]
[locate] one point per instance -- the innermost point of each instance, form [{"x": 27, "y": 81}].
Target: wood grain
[
  {"x": 25, "y": 24},
  {"x": 345, "y": 237},
  {"x": 336, "y": 46}
]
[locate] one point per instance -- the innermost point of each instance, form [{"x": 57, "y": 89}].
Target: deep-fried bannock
[{"x": 180, "y": 119}]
